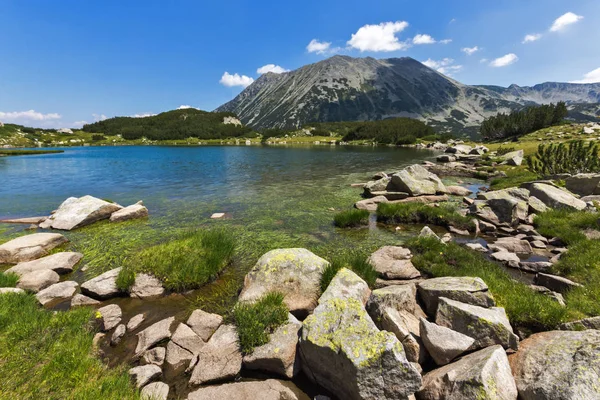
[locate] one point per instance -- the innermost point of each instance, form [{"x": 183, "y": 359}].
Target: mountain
[{"x": 343, "y": 88}]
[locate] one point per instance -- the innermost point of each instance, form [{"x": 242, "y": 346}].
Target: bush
[
  {"x": 418, "y": 213},
  {"x": 8, "y": 279},
  {"x": 504, "y": 150},
  {"x": 255, "y": 321},
  {"x": 573, "y": 158},
  {"x": 97, "y": 138},
  {"x": 354, "y": 261},
  {"x": 351, "y": 218}
]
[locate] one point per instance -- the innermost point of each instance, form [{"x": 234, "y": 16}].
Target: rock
[
  {"x": 176, "y": 361},
  {"x": 459, "y": 149},
  {"x": 457, "y": 231},
  {"x": 38, "y": 280},
  {"x": 270, "y": 389},
  {"x": 135, "y": 321},
  {"x": 110, "y": 316},
  {"x": 416, "y": 181},
  {"x": 535, "y": 266},
  {"x": 584, "y": 184},
  {"x": 488, "y": 326},
  {"x": 582, "y": 324},
  {"x": 279, "y": 355},
  {"x": 6, "y": 290},
  {"x": 512, "y": 245},
  {"x": 346, "y": 284},
  {"x": 393, "y": 262},
  {"x": 155, "y": 391},
  {"x": 538, "y": 244},
  {"x": 379, "y": 185},
  {"x": 133, "y": 211},
  {"x": 465, "y": 289},
  {"x": 26, "y": 221},
  {"x": 555, "y": 283},
  {"x": 444, "y": 158},
  {"x": 343, "y": 351},
  {"x": 153, "y": 334},
  {"x": 485, "y": 374},
  {"x": 391, "y": 195},
  {"x": 118, "y": 334},
  {"x": 144, "y": 374},
  {"x": 371, "y": 204},
  {"x": 558, "y": 365},
  {"x": 29, "y": 247},
  {"x": 556, "y": 198},
  {"x": 80, "y": 300},
  {"x": 486, "y": 227},
  {"x": 187, "y": 339},
  {"x": 403, "y": 297},
  {"x": 103, "y": 286},
  {"x": 219, "y": 359},
  {"x": 61, "y": 263},
  {"x": 405, "y": 326},
  {"x": 443, "y": 344},
  {"x": 204, "y": 324},
  {"x": 154, "y": 356},
  {"x": 591, "y": 199},
  {"x": 536, "y": 205},
  {"x": 513, "y": 158},
  {"x": 428, "y": 233},
  {"x": 458, "y": 191},
  {"x": 217, "y": 215},
  {"x": 294, "y": 272},
  {"x": 77, "y": 212},
  {"x": 476, "y": 247},
  {"x": 146, "y": 286},
  {"x": 379, "y": 175},
  {"x": 506, "y": 257},
  {"x": 424, "y": 199},
  {"x": 57, "y": 292}
]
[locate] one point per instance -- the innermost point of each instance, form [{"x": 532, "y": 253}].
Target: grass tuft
[
  {"x": 351, "y": 218},
  {"x": 515, "y": 176},
  {"x": 416, "y": 213},
  {"x": 8, "y": 279},
  {"x": 354, "y": 261}
]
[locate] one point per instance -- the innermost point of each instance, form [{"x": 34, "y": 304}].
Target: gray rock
[
  {"x": 379, "y": 185},
  {"x": 536, "y": 205},
  {"x": 110, "y": 316},
  {"x": 146, "y": 286},
  {"x": 393, "y": 262},
  {"x": 346, "y": 284},
  {"x": 584, "y": 184},
  {"x": 471, "y": 290},
  {"x": 443, "y": 344},
  {"x": 77, "y": 212},
  {"x": 37, "y": 280},
  {"x": 538, "y": 244},
  {"x": 371, "y": 204},
  {"x": 29, "y": 247},
  {"x": 153, "y": 334},
  {"x": 294, "y": 272},
  {"x": 154, "y": 356},
  {"x": 556, "y": 198},
  {"x": 57, "y": 292},
  {"x": 513, "y": 158},
  {"x": 405, "y": 326},
  {"x": 118, "y": 334},
  {"x": 135, "y": 322},
  {"x": 555, "y": 283},
  {"x": 558, "y": 365},
  {"x": 133, "y": 211},
  {"x": 428, "y": 233},
  {"x": 80, "y": 300},
  {"x": 103, "y": 286},
  {"x": 513, "y": 245},
  {"x": 591, "y": 199},
  {"x": 510, "y": 259},
  {"x": 61, "y": 263},
  {"x": 155, "y": 391},
  {"x": 476, "y": 247},
  {"x": 391, "y": 195},
  {"x": 416, "y": 181},
  {"x": 270, "y": 389},
  {"x": 582, "y": 324},
  {"x": 177, "y": 360},
  {"x": 485, "y": 374},
  {"x": 458, "y": 191},
  {"x": 445, "y": 158},
  {"x": 144, "y": 374},
  {"x": 486, "y": 227},
  {"x": 187, "y": 339},
  {"x": 220, "y": 359},
  {"x": 204, "y": 324},
  {"x": 459, "y": 149},
  {"x": 535, "y": 266},
  {"x": 399, "y": 297},
  {"x": 488, "y": 326}
]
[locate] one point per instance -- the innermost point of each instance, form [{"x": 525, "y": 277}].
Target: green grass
[
  {"x": 255, "y": 321},
  {"x": 189, "y": 261},
  {"x": 47, "y": 355},
  {"x": 6, "y": 152},
  {"x": 524, "y": 306},
  {"x": 353, "y": 260},
  {"x": 351, "y": 218},
  {"x": 8, "y": 280},
  {"x": 417, "y": 213},
  {"x": 566, "y": 225},
  {"x": 515, "y": 176}
]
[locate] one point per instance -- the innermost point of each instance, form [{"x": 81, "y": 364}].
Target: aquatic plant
[
  {"x": 351, "y": 218},
  {"x": 417, "y": 213}
]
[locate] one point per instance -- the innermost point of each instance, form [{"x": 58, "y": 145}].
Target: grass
[
  {"x": 47, "y": 355},
  {"x": 355, "y": 261},
  {"x": 6, "y": 152},
  {"x": 189, "y": 261},
  {"x": 8, "y": 280},
  {"x": 255, "y": 321},
  {"x": 524, "y": 306},
  {"x": 351, "y": 218},
  {"x": 515, "y": 176},
  {"x": 416, "y": 213}
]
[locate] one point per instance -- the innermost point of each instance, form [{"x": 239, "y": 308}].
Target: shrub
[
  {"x": 97, "y": 138},
  {"x": 351, "y": 218},
  {"x": 572, "y": 158},
  {"x": 255, "y": 321},
  {"x": 356, "y": 262},
  {"x": 8, "y": 279},
  {"x": 504, "y": 150},
  {"x": 417, "y": 213},
  {"x": 521, "y": 122}
]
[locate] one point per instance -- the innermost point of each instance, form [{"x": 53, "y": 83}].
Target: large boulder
[
  {"x": 294, "y": 272},
  {"x": 220, "y": 359},
  {"x": 134, "y": 211},
  {"x": 416, "y": 181},
  {"x": 558, "y": 365},
  {"x": 443, "y": 344},
  {"x": 393, "y": 262},
  {"x": 103, "y": 286},
  {"x": 488, "y": 326},
  {"x": 482, "y": 375},
  {"x": 270, "y": 389},
  {"x": 57, "y": 293},
  {"x": 459, "y": 149},
  {"x": 514, "y": 158},
  {"x": 556, "y": 283},
  {"x": 584, "y": 184},
  {"x": 343, "y": 351},
  {"x": 379, "y": 185},
  {"x": 38, "y": 280},
  {"x": 146, "y": 286},
  {"x": 29, "y": 247},
  {"x": 509, "y": 205},
  {"x": 77, "y": 212},
  {"x": 61, "y": 263},
  {"x": 470, "y": 290},
  {"x": 556, "y": 198}
]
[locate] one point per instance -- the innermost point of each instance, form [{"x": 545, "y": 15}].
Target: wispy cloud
[
  {"x": 276, "y": 69},
  {"x": 144, "y": 115},
  {"x": 565, "y": 20},
  {"x": 445, "y": 41},
  {"x": 531, "y": 38},
  {"x": 505, "y": 60},
  {"x": 99, "y": 117},
  {"x": 444, "y": 66},
  {"x": 590, "y": 77},
  {"x": 230, "y": 80},
  {"x": 30, "y": 115},
  {"x": 470, "y": 50},
  {"x": 380, "y": 37}
]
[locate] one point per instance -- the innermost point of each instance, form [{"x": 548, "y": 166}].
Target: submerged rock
[
  {"x": 29, "y": 247},
  {"x": 61, "y": 263},
  {"x": 146, "y": 286},
  {"x": 470, "y": 290},
  {"x": 133, "y": 211},
  {"x": 77, "y": 212},
  {"x": 393, "y": 262},
  {"x": 270, "y": 389}
]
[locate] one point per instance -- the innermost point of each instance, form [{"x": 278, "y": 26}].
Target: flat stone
[
  {"x": 220, "y": 359},
  {"x": 513, "y": 245},
  {"x": 556, "y": 283},
  {"x": 471, "y": 290},
  {"x": 29, "y": 247},
  {"x": 217, "y": 215},
  {"x": 155, "y": 391},
  {"x": 443, "y": 344},
  {"x": 506, "y": 257},
  {"x": 110, "y": 315},
  {"x": 371, "y": 204},
  {"x": 535, "y": 266},
  {"x": 144, "y": 374},
  {"x": 57, "y": 292},
  {"x": 556, "y": 198},
  {"x": 118, "y": 334},
  {"x": 270, "y": 389},
  {"x": 204, "y": 324},
  {"x": 155, "y": 355},
  {"x": 38, "y": 280},
  {"x": 186, "y": 338},
  {"x": 399, "y": 297},
  {"x": 134, "y": 211},
  {"x": 146, "y": 286},
  {"x": 80, "y": 300},
  {"x": 424, "y": 199},
  {"x": 154, "y": 334},
  {"x": 77, "y": 212},
  {"x": 61, "y": 263},
  {"x": 538, "y": 244},
  {"x": 103, "y": 286},
  {"x": 26, "y": 221},
  {"x": 391, "y": 195},
  {"x": 458, "y": 191},
  {"x": 476, "y": 247},
  {"x": 135, "y": 322}
]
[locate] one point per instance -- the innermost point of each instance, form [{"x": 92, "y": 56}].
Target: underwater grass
[
  {"x": 417, "y": 213},
  {"x": 354, "y": 260},
  {"x": 255, "y": 321},
  {"x": 351, "y": 218},
  {"x": 47, "y": 355},
  {"x": 8, "y": 279}
]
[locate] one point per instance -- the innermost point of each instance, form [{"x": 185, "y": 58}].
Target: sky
[{"x": 70, "y": 62}]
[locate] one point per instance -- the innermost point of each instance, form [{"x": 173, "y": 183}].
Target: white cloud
[
  {"x": 99, "y": 117},
  {"x": 185, "y": 107},
  {"x": 30, "y": 115},
  {"x": 565, "y": 20},
  {"x": 446, "y": 41},
  {"x": 144, "y": 115},
  {"x": 483, "y": 60},
  {"x": 235, "y": 80},
  {"x": 505, "y": 60},
  {"x": 590, "y": 77},
  {"x": 531, "y": 38},
  {"x": 423, "y": 39},
  {"x": 315, "y": 46},
  {"x": 380, "y": 37},
  {"x": 444, "y": 66},
  {"x": 470, "y": 50},
  {"x": 276, "y": 69}
]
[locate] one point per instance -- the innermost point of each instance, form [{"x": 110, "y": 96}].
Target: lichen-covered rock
[
  {"x": 153, "y": 334},
  {"x": 110, "y": 316},
  {"x": 482, "y": 375},
  {"x": 204, "y": 324},
  {"x": 558, "y": 365},
  {"x": 405, "y": 326},
  {"x": 37, "y": 280},
  {"x": 470, "y": 290},
  {"x": 582, "y": 324},
  {"x": 443, "y": 344},
  {"x": 146, "y": 286},
  {"x": 346, "y": 284},
  {"x": 29, "y": 247},
  {"x": 57, "y": 293},
  {"x": 103, "y": 286},
  {"x": 134, "y": 211},
  {"x": 343, "y": 351},
  {"x": 61, "y": 263},
  {"x": 399, "y": 297},
  {"x": 77, "y": 212},
  {"x": 279, "y": 354},
  {"x": 416, "y": 181},
  {"x": 393, "y": 262},
  {"x": 220, "y": 359},
  {"x": 556, "y": 198},
  {"x": 270, "y": 389},
  {"x": 488, "y": 326},
  {"x": 294, "y": 272}
]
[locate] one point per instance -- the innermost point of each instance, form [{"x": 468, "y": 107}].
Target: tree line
[{"x": 388, "y": 131}]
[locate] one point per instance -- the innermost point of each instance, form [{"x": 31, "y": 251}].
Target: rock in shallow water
[
  {"x": 103, "y": 286},
  {"x": 133, "y": 211},
  {"x": 29, "y": 247},
  {"x": 77, "y": 212},
  {"x": 110, "y": 316},
  {"x": 153, "y": 334},
  {"x": 61, "y": 263},
  {"x": 57, "y": 292}
]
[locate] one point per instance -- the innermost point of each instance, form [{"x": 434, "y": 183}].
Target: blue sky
[{"x": 69, "y": 61}]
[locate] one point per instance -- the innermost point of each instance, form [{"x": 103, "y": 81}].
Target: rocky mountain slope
[{"x": 343, "y": 88}]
